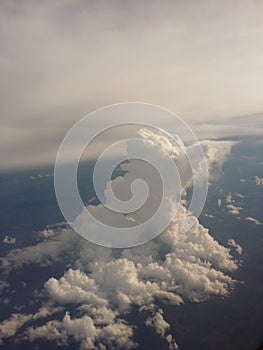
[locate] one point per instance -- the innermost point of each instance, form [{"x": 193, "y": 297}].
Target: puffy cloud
[
  {"x": 155, "y": 144},
  {"x": 258, "y": 181},
  {"x": 83, "y": 330},
  {"x": 230, "y": 205},
  {"x": 44, "y": 253},
  {"x": 161, "y": 327},
  {"x": 9, "y": 327},
  {"x": 74, "y": 287},
  {"x": 103, "y": 285},
  {"x": 216, "y": 153},
  {"x": 232, "y": 243},
  {"x": 9, "y": 240},
  {"x": 172, "y": 147}
]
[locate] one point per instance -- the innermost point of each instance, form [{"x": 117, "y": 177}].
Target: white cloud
[
  {"x": 156, "y": 144},
  {"x": 41, "y": 176},
  {"x": 254, "y": 221},
  {"x": 232, "y": 243},
  {"x": 217, "y": 152},
  {"x": 9, "y": 327},
  {"x": 230, "y": 205},
  {"x": 103, "y": 285},
  {"x": 161, "y": 327},
  {"x": 83, "y": 330},
  {"x": 9, "y": 240},
  {"x": 173, "y": 268},
  {"x": 44, "y": 253},
  {"x": 172, "y": 147},
  {"x": 209, "y": 216},
  {"x": 258, "y": 181}
]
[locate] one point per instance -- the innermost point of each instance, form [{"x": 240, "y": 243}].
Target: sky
[{"x": 60, "y": 60}]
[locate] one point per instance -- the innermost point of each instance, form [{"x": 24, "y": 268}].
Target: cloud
[
  {"x": 230, "y": 205},
  {"x": 178, "y": 66},
  {"x": 232, "y": 243},
  {"x": 254, "y": 221},
  {"x": 217, "y": 152},
  {"x": 44, "y": 253},
  {"x": 9, "y": 327},
  {"x": 9, "y": 240},
  {"x": 258, "y": 181},
  {"x": 83, "y": 331},
  {"x": 101, "y": 286},
  {"x": 157, "y": 147},
  {"x": 41, "y": 176},
  {"x": 161, "y": 327},
  {"x": 209, "y": 216}
]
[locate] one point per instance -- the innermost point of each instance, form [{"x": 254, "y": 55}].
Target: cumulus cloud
[
  {"x": 103, "y": 285},
  {"x": 217, "y": 153},
  {"x": 230, "y": 205},
  {"x": 232, "y": 243},
  {"x": 258, "y": 181},
  {"x": 9, "y": 327},
  {"x": 44, "y": 253},
  {"x": 157, "y": 147},
  {"x": 9, "y": 240},
  {"x": 161, "y": 327},
  {"x": 84, "y": 331}
]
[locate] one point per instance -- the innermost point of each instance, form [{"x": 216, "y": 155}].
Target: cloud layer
[
  {"x": 91, "y": 301},
  {"x": 59, "y": 61},
  {"x": 103, "y": 287}
]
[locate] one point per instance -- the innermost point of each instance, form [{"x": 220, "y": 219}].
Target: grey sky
[{"x": 60, "y": 60}]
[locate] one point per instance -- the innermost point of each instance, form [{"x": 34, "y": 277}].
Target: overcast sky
[{"x": 62, "y": 59}]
